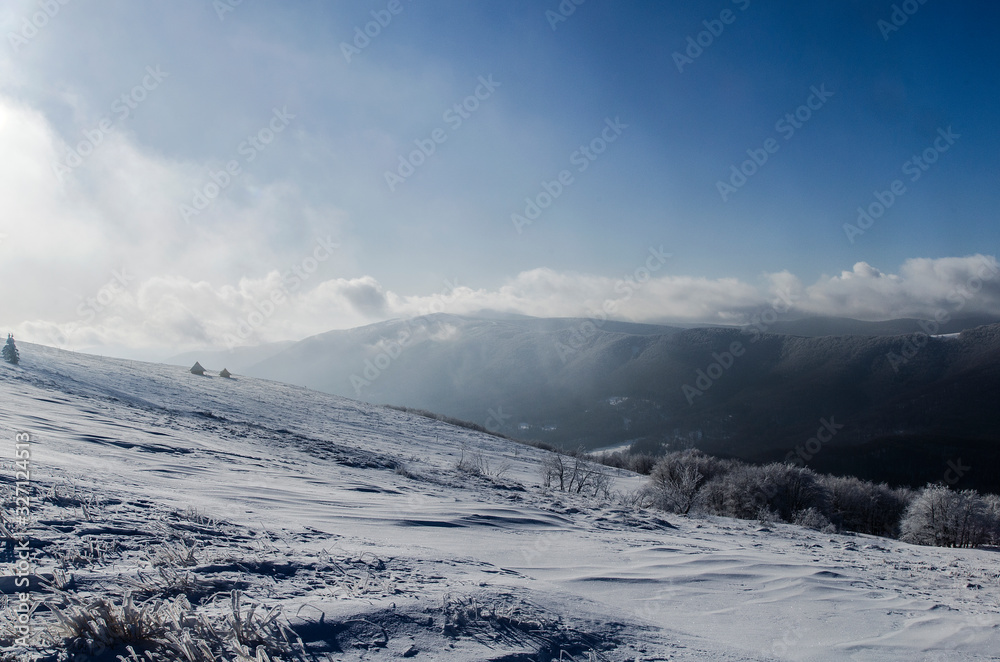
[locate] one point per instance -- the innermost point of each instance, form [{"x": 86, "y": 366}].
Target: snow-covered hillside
[{"x": 355, "y": 521}]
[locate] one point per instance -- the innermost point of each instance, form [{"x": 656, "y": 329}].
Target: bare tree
[
  {"x": 576, "y": 474},
  {"x": 554, "y": 471},
  {"x": 675, "y": 485}
]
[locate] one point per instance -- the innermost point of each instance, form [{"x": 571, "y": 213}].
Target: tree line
[{"x": 690, "y": 481}]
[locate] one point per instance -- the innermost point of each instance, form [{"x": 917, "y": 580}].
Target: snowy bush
[
  {"x": 767, "y": 517},
  {"x": 790, "y": 489},
  {"x": 740, "y": 493},
  {"x": 677, "y": 478},
  {"x": 689, "y": 481},
  {"x": 476, "y": 464},
  {"x": 780, "y": 488},
  {"x": 640, "y": 463},
  {"x": 675, "y": 485},
  {"x": 862, "y": 506},
  {"x": 813, "y": 519},
  {"x": 942, "y": 517},
  {"x": 991, "y": 503}
]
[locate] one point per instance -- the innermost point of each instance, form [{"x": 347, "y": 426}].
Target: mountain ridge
[{"x": 576, "y": 382}]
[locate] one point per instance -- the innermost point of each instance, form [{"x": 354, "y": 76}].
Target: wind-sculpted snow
[{"x": 202, "y": 496}]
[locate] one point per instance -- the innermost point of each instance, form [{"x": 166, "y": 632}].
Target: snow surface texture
[{"x": 354, "y": 520}]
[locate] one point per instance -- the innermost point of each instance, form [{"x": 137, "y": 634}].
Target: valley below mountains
[{"x": 885, "y": 405}]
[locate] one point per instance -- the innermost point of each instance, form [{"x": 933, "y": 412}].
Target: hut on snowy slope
[
  {"x": 196, "y": 369},
  {"x": 225, "y": 373}
]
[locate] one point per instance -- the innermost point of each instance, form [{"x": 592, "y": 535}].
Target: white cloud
[
  {"x": 95, "y": 252},
  {"x": 175, "y": 313},
  {"x": 922, "y": 287},
  {"x": 103, "y": 261}
]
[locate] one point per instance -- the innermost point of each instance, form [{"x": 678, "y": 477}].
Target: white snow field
[{"x": 354, "y": 520}]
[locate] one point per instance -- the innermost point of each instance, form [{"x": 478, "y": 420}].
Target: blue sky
[{"x": 191, "y": 279}]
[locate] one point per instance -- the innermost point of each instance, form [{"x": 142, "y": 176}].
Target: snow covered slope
[{"x": 355, "y": 521}]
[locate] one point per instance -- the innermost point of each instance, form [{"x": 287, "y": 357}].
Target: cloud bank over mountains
[
  {"x": 161, "y": 313},
  {"x": 151, "y": 204},
  {"x": 127, "y": 277}
]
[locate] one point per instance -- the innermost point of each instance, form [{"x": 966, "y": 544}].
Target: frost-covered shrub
[
  {"x": 741, "y": 492},
  {"x": 675, "y": 486},
  {"x": 865, "y": 507},
  {"x": 690, "y": 481},
  {"x": 813, "y": 519},
  {"x": 767, "y": 517},
  {"x": 640, "y": 463},
  {"x": 677, "y": 478},
  {"x": 746, "y": 489},
  {"x": 790, "y": 489},
  {"x": 991, "y": 503},
  {"x": 942, "y": 517}
]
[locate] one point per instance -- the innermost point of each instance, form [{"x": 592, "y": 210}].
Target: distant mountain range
[{"x": 576, "y": 382}]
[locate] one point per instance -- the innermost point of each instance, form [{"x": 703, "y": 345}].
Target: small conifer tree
[{"x": 10, "y": 353}]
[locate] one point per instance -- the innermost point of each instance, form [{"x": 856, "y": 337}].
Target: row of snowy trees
[
  {"x": 943, "y": 517},
  {"x": 688, "y": 481}
]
